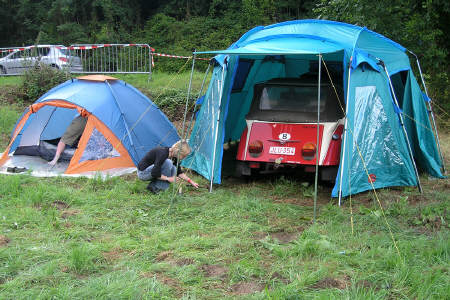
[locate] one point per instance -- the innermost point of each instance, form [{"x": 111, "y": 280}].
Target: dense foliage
[
  {"x": 177, "y": 27},
  {"x": 420, "y": 26},
  {"x": 37, "y": 81}
]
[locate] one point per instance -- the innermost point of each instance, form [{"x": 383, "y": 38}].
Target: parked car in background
[
  {"x": 57, "y": 57},
  {"x": 281, "y": 130}
]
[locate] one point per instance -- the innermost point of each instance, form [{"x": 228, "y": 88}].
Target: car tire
[
  {"x": 242, "y": 170},
  {"x": 328, "y": 174},
  {"x": 2, "y": 70}
]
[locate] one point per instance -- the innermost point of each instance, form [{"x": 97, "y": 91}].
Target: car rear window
[
  {"x": 43, "y": 51},
  {"x": 65, "y": 52},
  {"x": 292, "y": 98},
  {"x": 18, "y": 54},
  {"x": 295, "y": 103}
]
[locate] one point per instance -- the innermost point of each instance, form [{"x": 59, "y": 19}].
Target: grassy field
[{"x": 68, "y": 238}]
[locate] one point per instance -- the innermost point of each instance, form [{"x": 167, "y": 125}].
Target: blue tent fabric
[
  {"x": 206, "y": 131},
  {"x": 290, "y": 49},
  {"x": 419, "y": 127},
  {"x": 131, "y": 116},
  {"x": 375, "y": 142}
]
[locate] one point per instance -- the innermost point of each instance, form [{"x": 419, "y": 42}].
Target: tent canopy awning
[
  {"x": 282, "y": 46},
  {"x": 295, "y": 46}
]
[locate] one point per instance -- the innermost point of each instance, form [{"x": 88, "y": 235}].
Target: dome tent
[
  {"x": 379, "y": 89},
  {"x": 122, "y": 124}
]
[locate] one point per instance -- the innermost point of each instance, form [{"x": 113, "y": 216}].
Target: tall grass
[
  {"x": 113, "y": 240},
  {"x": 78, "y": 238},
  {"x": 10, "y": 80},
  {"x": 8, "y": 117},
  {"x": 169, "y": 91},
  {"x": 160, "y": 82}
]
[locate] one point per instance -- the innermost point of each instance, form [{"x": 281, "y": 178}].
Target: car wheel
[
  {"x": 2, "y": 70},
  {"x": 328, "y": 174},
  {"x": 242, "y": 170},
  {"x": 54, "y": 67}
]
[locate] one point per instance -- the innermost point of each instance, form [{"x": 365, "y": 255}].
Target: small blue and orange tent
[{"x": 122, "y": 123}]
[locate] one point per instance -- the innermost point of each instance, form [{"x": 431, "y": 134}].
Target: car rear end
[
  {"x": 63, "y": 58},
  {"x": 68, "y": 59},
  {"x": 282, "y": 130}
]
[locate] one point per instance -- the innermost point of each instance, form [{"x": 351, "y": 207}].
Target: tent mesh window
[{"x": 98, "y": 148}]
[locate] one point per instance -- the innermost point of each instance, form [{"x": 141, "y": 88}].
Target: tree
[{"x": 420, "y": 26}]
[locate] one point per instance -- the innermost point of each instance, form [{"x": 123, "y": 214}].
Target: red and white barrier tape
[
  {"x": 79, "y": 47},
  {"x": 97, "y": 46},
  {"x": 177, "y": 56},
  {"x": 106, "y": 45},
  {"x": 16, "y": 49}
]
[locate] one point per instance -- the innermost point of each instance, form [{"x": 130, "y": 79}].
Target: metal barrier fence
[
  {"x": 92, "y": 58},
  {"x": 114, "y": 58}
]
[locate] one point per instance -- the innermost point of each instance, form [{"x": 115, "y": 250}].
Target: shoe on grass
[
  {"x": 16, "y": 169},
  {"x": 153, "y": 189}
]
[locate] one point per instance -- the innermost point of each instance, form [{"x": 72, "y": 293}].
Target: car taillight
[
  {"x": 255, "y": 148},
  {"x": 64, "y": 59},
  {"x": 309, "y": 151}
]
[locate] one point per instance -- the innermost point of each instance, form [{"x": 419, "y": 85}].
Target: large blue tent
[{"x": 379, "y": 90}]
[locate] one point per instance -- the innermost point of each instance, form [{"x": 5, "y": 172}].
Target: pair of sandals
[{"x": 16, "y": 169}]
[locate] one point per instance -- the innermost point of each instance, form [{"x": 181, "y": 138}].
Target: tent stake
[
  {"x": 403, "y": 127},
  {"x": 344, "y": 140},
  {"x": 317, "y": 140}
]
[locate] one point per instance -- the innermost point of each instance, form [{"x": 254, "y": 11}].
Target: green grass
[
  {"x": 81, "y": 238},
  {"x": 10, "y": 80},
  {"x": 160, "y": 81},
  {"x": 8, "y": 117},
  {"x": 78, "y": 238},
  {"x": 169, "y": 91}
]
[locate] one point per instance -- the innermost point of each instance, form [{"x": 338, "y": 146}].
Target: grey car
[{"x": 22, "y": 59}]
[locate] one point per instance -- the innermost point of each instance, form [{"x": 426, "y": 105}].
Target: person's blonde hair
[{"x": 181, "y": 149}]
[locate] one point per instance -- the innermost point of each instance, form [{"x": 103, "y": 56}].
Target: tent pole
[
  {"x": 317, "y": 140},
  {"x": 188, "y": 95},
  {"x": 430, "y": 110},
  {"x": 121, "y": 113},
  {"x": 344, "y": 140},
  {"x": 199, "y": 93},
  {"x": 220, "y": 88},
  {"x": 403, "y": 127},
  {"x": 184, "y": 121}
]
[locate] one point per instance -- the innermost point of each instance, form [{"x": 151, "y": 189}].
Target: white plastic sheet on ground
[{"x": 39, "y": 167}]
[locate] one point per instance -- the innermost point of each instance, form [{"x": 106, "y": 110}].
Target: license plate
[{"x": 282, "y": 150}]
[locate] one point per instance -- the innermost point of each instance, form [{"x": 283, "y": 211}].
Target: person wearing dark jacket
[{"x": 158, "y": 166}]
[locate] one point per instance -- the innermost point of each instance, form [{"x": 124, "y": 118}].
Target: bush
[
  {"x": 172, "y": 102},
  {"x": 37, "y": 81}
]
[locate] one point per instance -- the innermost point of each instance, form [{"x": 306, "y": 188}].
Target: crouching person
[{"x": 159, "y": 166}]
